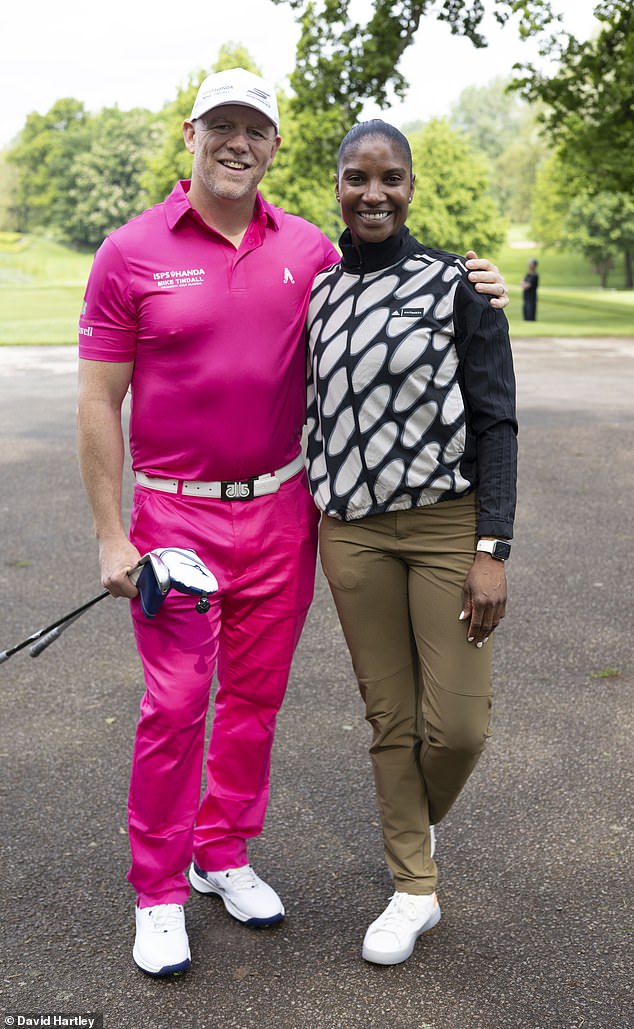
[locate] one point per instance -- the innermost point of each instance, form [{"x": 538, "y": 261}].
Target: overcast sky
[{"x": 136, "y": 53}]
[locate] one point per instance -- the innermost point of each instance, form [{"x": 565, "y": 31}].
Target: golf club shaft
[
  {"x": 50, "y": 637},
  {"x": 6, "y": 654}
]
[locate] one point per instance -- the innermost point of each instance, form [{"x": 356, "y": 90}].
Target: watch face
[{"x": 501, "y": 550}]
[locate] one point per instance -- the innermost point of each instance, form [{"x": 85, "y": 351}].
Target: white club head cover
[
  {"x": 167, "y": 568},
  {"x": 187, "y": 572}
]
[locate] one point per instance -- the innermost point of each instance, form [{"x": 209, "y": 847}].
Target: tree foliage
[
  {"x": 78, "y": 174},
  {"x": 589, "y": 115},
  {"x": 552, "y": 198},
  {"x": 342, "y": 63},
  {"x": 8, "y": 188},
  {"x": 294, "y": 182},
  {"x": 44, "y": 157},
  {"x": 452, "y": 208},
  {"x": 590, "y": 98},
  {"x": 107, "y": 189},
  {"x": 601, "y": 225},
  {"x": 489, "y": 115},
  {"x": 501, "y": 125}
]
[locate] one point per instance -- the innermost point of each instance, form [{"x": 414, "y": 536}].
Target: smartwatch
[{"x": 499, "y": 549}]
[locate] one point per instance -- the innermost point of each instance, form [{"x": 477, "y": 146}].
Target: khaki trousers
[{"x": 397, "y": 581}]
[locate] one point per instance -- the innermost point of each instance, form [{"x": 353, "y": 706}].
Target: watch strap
[{"x": 499, "y": 549}]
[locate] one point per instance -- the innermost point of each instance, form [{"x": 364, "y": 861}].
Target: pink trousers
[{"x": 263, "y": 554}]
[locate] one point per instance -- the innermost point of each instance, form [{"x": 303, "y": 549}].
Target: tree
[
  {"x": 506, "y": 129},
  {"x": 590, "y": 105},
  {"x": 590, "y": 98},
  {"x": 78, "y": 174},
  {"x": 452, "y": 208},
  {"x": 489, "y": 115},
  {"x": 44, "y": 156},
  {"x": 552, "y": 198},
  {"x": 341, "y": 64},
  {"x": 170, "y": 160},
  {"x": 107, "y": 189},
  {"x": 8, "y": 187},
  {"x": 601, "y": 225},
  {"x": 292, "y": 182}
]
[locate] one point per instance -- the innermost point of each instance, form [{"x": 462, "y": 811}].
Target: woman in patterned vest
[{"x": 412, "y": 460}]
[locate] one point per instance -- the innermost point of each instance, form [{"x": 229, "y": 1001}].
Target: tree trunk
[{"x": 629, "y": 270}]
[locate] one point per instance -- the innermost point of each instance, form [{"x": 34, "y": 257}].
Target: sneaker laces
[
  {"x": 166, "y": 917},
  {"x": 402, "y": 905},
  {"x": 243, "y": 878}
]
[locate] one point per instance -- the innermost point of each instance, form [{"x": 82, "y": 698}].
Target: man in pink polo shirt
[{"x": 197, "y": 306}]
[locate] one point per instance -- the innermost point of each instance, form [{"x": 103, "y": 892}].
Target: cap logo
[{"x": 258, "y": 94}]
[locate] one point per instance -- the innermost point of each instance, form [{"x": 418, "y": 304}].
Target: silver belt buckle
[{"x": 238, "y": 490}]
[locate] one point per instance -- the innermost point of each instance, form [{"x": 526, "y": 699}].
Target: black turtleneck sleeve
[{"x": 487, "y": 381}]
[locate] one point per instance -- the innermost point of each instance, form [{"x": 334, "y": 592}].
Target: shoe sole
[
  {"x": 165, "y": 970},
  {"x": 202, "y": 885},
  {"x": 395, "y": 957}
]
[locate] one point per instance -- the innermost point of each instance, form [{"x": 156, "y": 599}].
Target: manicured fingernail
[
  {"x": 470, "y": 639},
  {"x": 462, "y": 616},
  {"x": 479, "y": 645},
  {"x": 485, "y": 640}
]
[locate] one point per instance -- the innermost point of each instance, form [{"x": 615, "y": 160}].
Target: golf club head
[
  {"x": 152, "y": 579},
  {"x": 187, "y": 572},
  {"x": 168, "y": 568}
]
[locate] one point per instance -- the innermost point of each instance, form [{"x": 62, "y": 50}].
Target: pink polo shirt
[{"x": 216, "y": 335}]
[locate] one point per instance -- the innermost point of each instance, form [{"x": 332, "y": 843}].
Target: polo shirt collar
[{"x": 177, "y": 205}]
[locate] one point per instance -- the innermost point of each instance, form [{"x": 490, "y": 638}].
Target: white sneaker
[
  {"x": 391, "y": 938},
  {"x": 245, "y": 896},
  {"x": 161, "y": 946}
]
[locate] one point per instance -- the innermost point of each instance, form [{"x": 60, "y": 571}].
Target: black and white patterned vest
[{"x": 386, "y": 416}]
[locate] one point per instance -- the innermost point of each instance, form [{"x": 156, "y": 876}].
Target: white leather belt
[{"x": 244, "y": 489}]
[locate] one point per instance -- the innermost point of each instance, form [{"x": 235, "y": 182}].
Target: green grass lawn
[
  {"x": 42, "y": 284},
  {"x": 570, "y": 299},
  {"x": 574, "y": 312},
  {"x": 41, "y": 290}
]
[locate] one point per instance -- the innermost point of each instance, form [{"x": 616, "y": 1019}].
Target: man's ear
[
  {"x": 337, "y": 193},
  {"x": 189, "y": 134},
  {"x": 276, "y": 147}
]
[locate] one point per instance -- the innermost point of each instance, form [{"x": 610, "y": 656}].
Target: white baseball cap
[{"x": 237, "y": 86}]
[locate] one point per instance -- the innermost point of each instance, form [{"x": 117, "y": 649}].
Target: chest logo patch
[{"x": 177, "y": 277}]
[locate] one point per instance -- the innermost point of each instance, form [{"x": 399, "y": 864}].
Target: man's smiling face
[{"x": 233, "y": 146}]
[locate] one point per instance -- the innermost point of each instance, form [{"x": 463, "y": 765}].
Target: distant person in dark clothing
[{"x": 529, "y": 284}]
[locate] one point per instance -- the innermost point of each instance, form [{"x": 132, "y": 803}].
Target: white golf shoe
[
  {"x": 245, "y": 896},
  {"x": 391, "y": 937},
  {"x": 161, "y": 946}
]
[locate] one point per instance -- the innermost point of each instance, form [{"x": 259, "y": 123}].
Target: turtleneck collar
[{"x": 371, "y": 257}]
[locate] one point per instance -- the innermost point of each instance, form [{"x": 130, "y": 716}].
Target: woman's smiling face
[{"x": 374, "y": 188}]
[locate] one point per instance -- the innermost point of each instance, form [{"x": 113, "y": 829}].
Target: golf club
[
  {"x": 52, "y": 628},
  {"x": 155, "y": 575}
]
